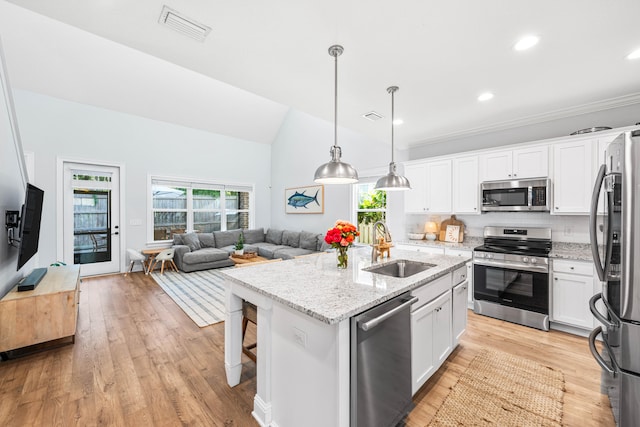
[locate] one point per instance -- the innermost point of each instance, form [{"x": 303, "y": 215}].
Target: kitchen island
[{"x": 304, "y": 308}]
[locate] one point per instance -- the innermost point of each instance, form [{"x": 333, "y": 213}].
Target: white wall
[
  {"x": 53, "y": 128},
  {"x": 12, "y": 183},
  {"x": 301, "y": 146}
]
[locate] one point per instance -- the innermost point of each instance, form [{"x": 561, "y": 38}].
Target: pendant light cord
[
  {"x": 392, "y": 125},
  {"x": 335, "y": 106}
]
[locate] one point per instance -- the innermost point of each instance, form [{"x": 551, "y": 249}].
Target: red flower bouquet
[{"x": 341, "y": 237}]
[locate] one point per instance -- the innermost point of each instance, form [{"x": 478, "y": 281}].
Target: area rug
[
  {"x": 499, "y": 389},
  {"x": 199, "y": 294}
]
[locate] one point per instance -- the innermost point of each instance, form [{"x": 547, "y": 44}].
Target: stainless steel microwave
[{"x": 514, "y": 196}]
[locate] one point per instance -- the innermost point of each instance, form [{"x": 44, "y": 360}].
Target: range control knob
[
  {"x": 534, "y": 260},
  {"x": 525, "y": 259}
]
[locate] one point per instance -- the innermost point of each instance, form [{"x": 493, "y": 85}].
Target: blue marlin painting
[{"x": 301, "y": 200}]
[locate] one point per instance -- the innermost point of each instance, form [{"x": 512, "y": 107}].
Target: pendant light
[
  {"x": 392, "y": 181},
  {"x": 336, "y": 171}
]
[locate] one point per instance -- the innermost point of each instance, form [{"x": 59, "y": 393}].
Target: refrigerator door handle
[
  {"x": 609, "y": 324},
  {"x": 593, "y": 219},
  {"x": 613, "y": 369}
]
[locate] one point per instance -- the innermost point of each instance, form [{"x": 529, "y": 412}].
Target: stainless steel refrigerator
[{"x": 615, "y": 243}]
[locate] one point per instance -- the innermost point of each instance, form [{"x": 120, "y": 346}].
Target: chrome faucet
[{"x": 387, "y": 237}]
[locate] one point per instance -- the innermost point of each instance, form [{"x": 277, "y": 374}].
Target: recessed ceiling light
[
  {"x": 634, "y": 55},
  {"x": 398, "y": 121},
  {"x": 526, "y": 42},
  {"x": 485, "y": 96},
  {"x": 372, "y": 115}
]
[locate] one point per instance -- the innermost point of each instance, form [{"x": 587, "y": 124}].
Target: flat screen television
[{"x": 30, "y": 224}]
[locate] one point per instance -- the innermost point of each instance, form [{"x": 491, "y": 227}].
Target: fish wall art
[{"x": 304, "y": 200}]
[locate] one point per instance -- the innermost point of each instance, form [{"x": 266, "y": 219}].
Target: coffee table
[{"x": 237, "y": 261}]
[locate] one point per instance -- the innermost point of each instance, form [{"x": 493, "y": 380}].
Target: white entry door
[{"x": 91, "y": 217}]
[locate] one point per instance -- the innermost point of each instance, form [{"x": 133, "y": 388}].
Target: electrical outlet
[{"x": 300, "y": 337}]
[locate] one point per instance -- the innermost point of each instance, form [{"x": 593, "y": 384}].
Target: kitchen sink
[{"x": 400, "y": 268}]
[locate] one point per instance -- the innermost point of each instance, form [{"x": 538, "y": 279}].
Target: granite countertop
[
  {"x": 573, "y": 251},
  {"x": 313, "y": 285},
  {"x": 469, "y": 243}
]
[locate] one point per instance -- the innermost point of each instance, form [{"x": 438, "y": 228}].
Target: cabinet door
[
  {"x": 466, "y": 187},
  {"x": 571, "y": 293},
  {"x": 573, "y": 179},
  {"x": 422, "y": 345},
  {"x": 495, "y": 166},
  {"x": 460, "y": 296},
  {"x": 443, "y": 329},
  {"x": 415, "y": 200},
  {"x": 531, "y": 162},
  {"x": 439, "y": 186}
]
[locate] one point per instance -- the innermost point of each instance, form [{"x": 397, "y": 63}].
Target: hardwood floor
[{"x": 138, "y": 360}]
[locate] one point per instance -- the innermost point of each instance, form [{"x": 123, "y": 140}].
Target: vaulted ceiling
[{"x": 263, "y": 57}]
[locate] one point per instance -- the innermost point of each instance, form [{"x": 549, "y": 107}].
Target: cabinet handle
[
  {"x": 475, "y": 209},
  {"x": 509, "y": 175},
  {"x": 571, "y": 268},
  {"x": 555, "y": 278},
  {"x": 557, "y": 208},
  {"x": 515, "y": 174}
]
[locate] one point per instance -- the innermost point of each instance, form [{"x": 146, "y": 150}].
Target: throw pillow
[
  {"x": 177, "y": 239},
  {"x": 308, "y": 240},
  {"x": 226, "y": 238},
  {"x": 191, "y": 240},
  {"x": 207, "y": 240},
  {"x": 274, "y": 236},
  {"x": 291, "y": 238},
  {"x": 253, "y": 236}
]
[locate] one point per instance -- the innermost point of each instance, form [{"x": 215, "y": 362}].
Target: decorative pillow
[
  {"x": 291, "y": 238},
  {"x": 274, "y": 236},
  {"x": 253, "y": 236},
  {"x": 177, "y": 239},
  {"x": 191, "y": 240},
  {"x": 308, "y": 240},
  {"x": 226, "y": 238},
  {"x": 207, "y": 240}
]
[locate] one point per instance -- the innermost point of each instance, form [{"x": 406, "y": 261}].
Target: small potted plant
[{"x": 240, "y": 245}]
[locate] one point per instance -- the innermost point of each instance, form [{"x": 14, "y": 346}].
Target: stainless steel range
[{"x": 511, "y": 275}]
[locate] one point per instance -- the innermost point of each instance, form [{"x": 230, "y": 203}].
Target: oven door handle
[
  {"x": 513, "y": 266},
  {"x": 613, "y": 369}
]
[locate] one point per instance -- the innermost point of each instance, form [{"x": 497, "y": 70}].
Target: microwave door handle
[
  {"x": 530, "y": 197},
  {"x": 593, "y": 220}
]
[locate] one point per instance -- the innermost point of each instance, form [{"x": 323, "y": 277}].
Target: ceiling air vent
[
  {"x": 372, "y": 115},
  {"x": 182, "y": 24}
]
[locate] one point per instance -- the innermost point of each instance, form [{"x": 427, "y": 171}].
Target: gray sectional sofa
[{"x": 202, "y": 251}]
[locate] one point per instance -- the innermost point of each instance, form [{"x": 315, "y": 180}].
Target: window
[
  {"x": 184, "y": 206},
  {"x": 371, "y": 206}
]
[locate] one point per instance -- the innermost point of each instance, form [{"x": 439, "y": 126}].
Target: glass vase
[{"x": 342, "y": 257}]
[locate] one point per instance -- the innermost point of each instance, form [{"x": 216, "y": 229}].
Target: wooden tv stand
[{"x": 48, "y": 312}]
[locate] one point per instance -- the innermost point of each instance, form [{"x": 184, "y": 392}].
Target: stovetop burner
[{"x": 518, "y": 241}]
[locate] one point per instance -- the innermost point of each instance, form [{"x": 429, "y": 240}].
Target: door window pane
[{"x": 91, "y": 228}]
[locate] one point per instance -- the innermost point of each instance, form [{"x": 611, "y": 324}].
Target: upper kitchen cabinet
[
  {"x": 530, "y": 162},
  {"x": 572, "y": 177},
  {"x": 431, "y": 187},
  {"x": 466, "y": 186}
]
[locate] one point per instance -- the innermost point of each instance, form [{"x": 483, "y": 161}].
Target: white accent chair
[
  {"x": 164, "y": 256},
  {"x": 136, "y": 256}
]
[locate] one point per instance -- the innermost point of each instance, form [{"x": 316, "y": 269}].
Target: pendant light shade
[
  {"x": 392, "y": 181},
  {"x": 336, "y": 171}
]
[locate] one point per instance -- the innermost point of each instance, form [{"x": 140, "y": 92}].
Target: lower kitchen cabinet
[
  {"x": 572, "y": 285},
  {"x": 431, "y": 339},
  {"x": 460, "y": 310}
]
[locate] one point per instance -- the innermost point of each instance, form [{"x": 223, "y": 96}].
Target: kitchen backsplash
[{"x": 564, "y": 228}]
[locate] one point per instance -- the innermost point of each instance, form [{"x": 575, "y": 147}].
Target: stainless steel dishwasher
[{"x": 381, "y": 364}]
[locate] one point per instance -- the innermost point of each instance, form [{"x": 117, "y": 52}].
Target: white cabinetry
[
  {"x": 459, "y": 304},
  {"x": 572, "y": 286},
  {"x": 469, "y": 267},
  {"x": 572, "y": 177},
  {"x": 530, "y": 162},
  {"x": 431, "y": 187},
  {"x": 466, "y": 187},
  {"x": 415, "y": 200},
  {"x": 430, "y": 338}
]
